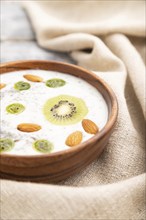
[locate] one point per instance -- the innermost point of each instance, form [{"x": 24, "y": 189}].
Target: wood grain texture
[
  {"x": 15, "y": 24},
  {"x": 60, "y": 165},
  {"x": 25, "y": 50},
  {"x": 18, "y": 38}
]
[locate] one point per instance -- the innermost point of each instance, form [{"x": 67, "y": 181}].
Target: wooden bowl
[{"x": 60, "y": 165}]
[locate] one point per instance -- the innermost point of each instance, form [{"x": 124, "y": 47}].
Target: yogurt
[{"x": 34, "y": 99}]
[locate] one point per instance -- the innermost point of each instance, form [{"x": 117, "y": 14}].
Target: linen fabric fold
[{"x": 106, "y": 37}]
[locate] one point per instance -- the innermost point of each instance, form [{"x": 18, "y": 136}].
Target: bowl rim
[{"x": 108, "y": 126}]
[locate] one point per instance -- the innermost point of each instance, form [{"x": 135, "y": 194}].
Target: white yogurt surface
[{"x": 34, "y": 99}]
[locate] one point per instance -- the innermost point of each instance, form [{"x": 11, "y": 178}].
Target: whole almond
[
  {"x": 74, "y": 139},
  {"x": 89, "y": 126},
  {"x": 2, "y": 85},
  {"x": 33, "y": 78},
  {"x": 27, "y": 127}
]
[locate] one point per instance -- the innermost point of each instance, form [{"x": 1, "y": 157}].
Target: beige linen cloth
[{"x": 105, "y": 37}]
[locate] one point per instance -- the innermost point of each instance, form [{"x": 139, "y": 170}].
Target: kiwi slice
[
  {"x": 6, "y": 144},
  {"x": 21, "y": 85},
  {"x": 65, "y": 110},
  {"x": 15, "y": 108},
  {"x": 43, "y": 146},
  {"x": 53, "y": 83}
]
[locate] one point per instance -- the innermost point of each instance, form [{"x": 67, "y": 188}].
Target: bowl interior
[{"x": 86, "y": 75}]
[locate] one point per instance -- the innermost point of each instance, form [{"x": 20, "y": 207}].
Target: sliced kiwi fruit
[
  {"x": 21, "y": 85},
  {"x": 55, "y": 82},
  {"x": 65, "y": 110},
  {"x": 15, "y": 108},
  {"x": 6, "y": 144},
  {"x": 43, "y": 146}
]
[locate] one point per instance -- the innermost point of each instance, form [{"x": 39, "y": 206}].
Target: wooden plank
[
  {"x": 14, "y": 22},
  {"x": 27, "y": 50}
]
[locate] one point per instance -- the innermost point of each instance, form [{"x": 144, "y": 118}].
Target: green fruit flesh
[
  {"x": 43, "y": 146},
  {"x": 21, "y": 86},
  {"x": 54, "y": 83},
  {"x": 6, "y": 144},
  {"x": 65, "y": 110},
  {"x": 15, "y": 108}
]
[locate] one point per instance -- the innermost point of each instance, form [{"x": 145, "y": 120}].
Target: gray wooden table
[{"x": 18, "y": 41}]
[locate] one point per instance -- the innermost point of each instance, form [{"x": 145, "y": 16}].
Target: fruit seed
[
  {"x": 74, "y": 139},
  {"x": 33, "y": 78},
  {"x": 27, "y": 127},
  {"x": 2, "y": 85},
  {"x": 89, "y": 126}
]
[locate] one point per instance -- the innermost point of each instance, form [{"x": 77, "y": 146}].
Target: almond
[
  {"x": 2, "y": 85},
  {"x": 33, "y": 78},
  {"x": 74, "y": 139},
  {"x": 27, "y": 127},
  {"x": 89, "y": 126}
]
